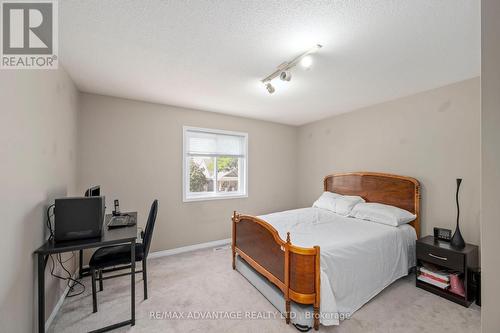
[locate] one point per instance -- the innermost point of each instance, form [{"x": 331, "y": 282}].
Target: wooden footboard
[{"x": 294, "y": 270}]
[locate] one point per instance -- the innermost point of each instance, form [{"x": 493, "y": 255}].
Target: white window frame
[{"x": 188, "y": 196}]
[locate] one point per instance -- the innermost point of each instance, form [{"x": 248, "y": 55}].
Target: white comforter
[{"x": 358, "y": 258}]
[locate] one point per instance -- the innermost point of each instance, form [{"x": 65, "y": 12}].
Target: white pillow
[
  {"x": 326, "y": 201},
  {"x": 340, "y": 204},
  {"x": 345, "y": 203},
  {"x": 381, "y": 213}
]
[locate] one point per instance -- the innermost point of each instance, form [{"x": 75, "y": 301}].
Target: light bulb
[{"x": 306, "y": 62}]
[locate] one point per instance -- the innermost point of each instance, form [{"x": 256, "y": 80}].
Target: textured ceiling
[{"x": 210, "y": 55}]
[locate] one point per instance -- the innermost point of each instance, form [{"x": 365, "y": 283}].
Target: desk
[{"x": 108, "y": 237}]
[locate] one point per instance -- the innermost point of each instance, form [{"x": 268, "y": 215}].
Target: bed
[{"x": 314, "y": 261}]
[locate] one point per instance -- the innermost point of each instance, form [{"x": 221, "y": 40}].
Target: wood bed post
[
  {"x": 317, "y": 287},
  {"x": 287, "y": 277},
  {"x": 233, "y": 242},
  {"x": 416, "y": 223}
]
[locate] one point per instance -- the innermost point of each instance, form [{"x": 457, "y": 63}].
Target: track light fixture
[
  {"x": 284, "y": 70},
  {"x": 286, "y": 76},
  {"x": 270, "y": 88}
]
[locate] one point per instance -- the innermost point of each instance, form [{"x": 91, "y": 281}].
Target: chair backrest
[{"x": 148, "y": 232}]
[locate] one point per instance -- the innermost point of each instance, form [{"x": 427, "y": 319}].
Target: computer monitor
[
  {"x": 78, "y": 218},
  {"x": 93, "y": 191}
]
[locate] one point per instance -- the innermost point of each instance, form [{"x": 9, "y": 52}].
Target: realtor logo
[{"x": 29, "y": 34}]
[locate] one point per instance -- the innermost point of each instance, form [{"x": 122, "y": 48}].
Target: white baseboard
[
  {"x": 59, "y": 303},
  {"x": 189, "y": 248}
]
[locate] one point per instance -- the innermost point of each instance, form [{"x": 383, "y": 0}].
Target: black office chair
[{"x": 117, "y": 255}]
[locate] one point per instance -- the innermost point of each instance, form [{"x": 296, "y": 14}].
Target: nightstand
[{"x": 441, "y": 254}]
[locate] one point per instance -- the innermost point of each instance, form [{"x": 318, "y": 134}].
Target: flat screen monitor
[
  {"x": 93, "y": 191},
  {"x": 78, "y": 218}
]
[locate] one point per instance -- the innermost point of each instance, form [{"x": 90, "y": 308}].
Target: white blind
[{"x": 214, "y": 144}]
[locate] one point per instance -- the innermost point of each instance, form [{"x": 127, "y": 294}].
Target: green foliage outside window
[
  {"x": 224, "y": 164},
  {"x": 197, "y": 179}
]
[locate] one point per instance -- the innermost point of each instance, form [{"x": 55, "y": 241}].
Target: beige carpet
[{"x": 204, "y": 281}]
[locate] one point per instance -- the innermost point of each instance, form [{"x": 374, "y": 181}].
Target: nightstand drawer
[{"x": 442, "y": 257}]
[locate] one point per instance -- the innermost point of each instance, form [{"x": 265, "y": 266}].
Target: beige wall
[
  {"x": 134, "y": 151},
  {"x": 432, "y": 136},
  {"x": 38, "y": 148},
  {"x": 490, "y": 167}
]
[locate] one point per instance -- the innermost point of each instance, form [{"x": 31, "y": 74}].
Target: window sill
[{"x": 214, "y": 197}]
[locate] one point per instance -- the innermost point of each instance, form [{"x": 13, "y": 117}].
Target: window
[{"x": 215, "y": 164}]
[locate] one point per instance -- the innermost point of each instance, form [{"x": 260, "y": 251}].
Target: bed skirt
[{"x": 300, "y": 314}]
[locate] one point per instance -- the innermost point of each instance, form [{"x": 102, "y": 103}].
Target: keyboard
[{"x": 121, "y": 221}]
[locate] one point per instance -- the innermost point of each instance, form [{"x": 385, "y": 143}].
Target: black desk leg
[
  {"x": 80, "y": 266},
  {"x": 132, "y": 281},
  {"x": 41, "y": 293}
]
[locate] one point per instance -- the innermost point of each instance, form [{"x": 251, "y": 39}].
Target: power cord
[
  {"x": 49, "y": 224},
  {"x": 70, "y": 282}
]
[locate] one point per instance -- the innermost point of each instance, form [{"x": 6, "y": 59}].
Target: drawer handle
[{"x": 437, "y": 257}]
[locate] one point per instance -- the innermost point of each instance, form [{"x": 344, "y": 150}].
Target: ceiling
[{"x": 210, "y": 55}]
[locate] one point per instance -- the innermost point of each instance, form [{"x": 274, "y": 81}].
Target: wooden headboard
[{"x": 399, "y": 191}]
